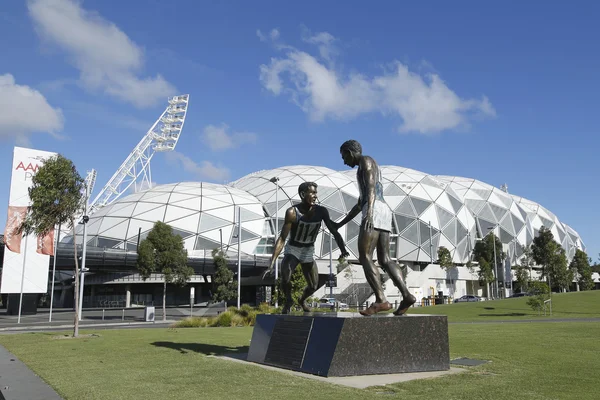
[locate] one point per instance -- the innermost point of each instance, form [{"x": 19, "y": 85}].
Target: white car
[
  {"x": 468, "y": 297},
  {"x": 329, "y": 302}
]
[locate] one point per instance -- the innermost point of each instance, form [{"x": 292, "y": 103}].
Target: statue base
[{"x": 349, "y": 344}]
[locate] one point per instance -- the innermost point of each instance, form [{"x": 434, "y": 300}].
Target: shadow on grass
[
  {"x": 207, "y": 349},
  {"x": 504, "y": 315}
]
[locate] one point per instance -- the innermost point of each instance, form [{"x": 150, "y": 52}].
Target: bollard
[
  {"x": 123, "y": 315},
  {"x": 103, "y": 314}
]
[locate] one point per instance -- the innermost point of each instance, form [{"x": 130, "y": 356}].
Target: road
[{"x": 62, "y": 319}]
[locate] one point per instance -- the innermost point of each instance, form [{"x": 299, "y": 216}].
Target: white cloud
[
  {"x": 24, "y": 111},
  {"x": 273, "y": 35},
  {"x": 104, "y": 55},
  {"x": 424, "y": 102},
  {"x": 204, "y": 170},
  {"x": 325, "y": 43},
  {"x": 218, "y": 137}
]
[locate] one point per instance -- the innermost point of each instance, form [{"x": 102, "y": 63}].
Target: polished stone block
[{"x": 348, "y": 344}]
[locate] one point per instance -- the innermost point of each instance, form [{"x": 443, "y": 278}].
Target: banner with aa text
[{"x": 22, "y": 252}]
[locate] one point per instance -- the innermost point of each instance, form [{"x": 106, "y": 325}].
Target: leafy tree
[
  {"x": 471, "y": 268},
  {"x": 298, "y": 283},
  {"x": 552, "y": 258},
  {"x": 483, "y": 253},
  {"x": 580, "y": 265},
  {"x": 225, "y": 287},
  {"x": 56, "y": 194},
  {"x": 522, "y": 278},
  {"x": 162, "y": 252},
  {"x": 541, "y": 293},
  {"x": 445, "y": 261},
  {"x": 523, "y": 270},
  {"x": 527, "y": 260}
]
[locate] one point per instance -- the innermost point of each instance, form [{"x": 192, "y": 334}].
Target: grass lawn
[
  {"x": 530, "y": 361},
  {"x": 564, "y": 305}
]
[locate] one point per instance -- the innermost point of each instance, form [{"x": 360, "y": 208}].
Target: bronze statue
[
  {"x": 303, "y": 221},
  {"x": 374, "y": 230}
]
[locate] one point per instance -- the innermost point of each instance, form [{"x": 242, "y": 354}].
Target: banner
[
  {"x": 45, "y": 244},
  {"x": 25, "y": 164},
  {"x": 12, "y": 239}
]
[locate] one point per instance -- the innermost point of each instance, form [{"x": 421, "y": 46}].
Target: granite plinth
[{"x": 347, "y": 344}]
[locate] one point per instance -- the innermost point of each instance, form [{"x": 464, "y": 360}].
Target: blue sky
[{"x": 503, "y": 92}]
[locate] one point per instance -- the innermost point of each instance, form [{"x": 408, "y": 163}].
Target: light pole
[
  {"x": 330, "y": 266},
  {"x": 85, "y": 220},
  {"x": 430, "y": 245},
  {"x": 275, "y": 180},
  {"x": 239, "y": 238},
  {"x": 495, "y": 261},
  {"x": 221, "y": 237}
]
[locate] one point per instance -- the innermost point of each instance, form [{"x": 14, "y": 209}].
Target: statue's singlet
[
  {"x": 303, "y": 234},
  {"x": 382, "y": 214}
]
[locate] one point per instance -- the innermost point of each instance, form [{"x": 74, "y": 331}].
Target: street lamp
[
  {"x": 221, "y": 237},
  {"x": 85, "y": 220},
  {"x": 239, "y": 238},
  {"x": 495, "y": 261},
  {"x": 275, "y": 180}
]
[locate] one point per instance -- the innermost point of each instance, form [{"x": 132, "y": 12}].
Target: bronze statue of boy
[
  {"x": 302, "y": 223},
  {"x": 374, "y": 230}
]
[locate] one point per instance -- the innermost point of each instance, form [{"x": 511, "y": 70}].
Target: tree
[
  {"x": 445, "y": 261},
  {"x": 552, "y": 258},
  {"x": 580, "y": 266},
  {"x": 522, "y": 278},
  {"x": 225, "y": 288},
  {"x": 471, "y": 268},
  {"x": 56, "y": 195},
  {"x": 523, "y": 271},
  {"x": 527, "y": 260},
  {"x": 162, "y": 252},
  {"x": 298, "y": 283},
  {"x": 540, "y": 293},
  {"x": 483, "y": 253}
]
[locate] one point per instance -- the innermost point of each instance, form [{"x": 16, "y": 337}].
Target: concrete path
[{"x": 18, "y": 382}]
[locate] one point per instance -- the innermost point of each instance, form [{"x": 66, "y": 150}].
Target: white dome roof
[
  {"x": 199, "y": 212},
  {"x": 429, "y": 211}
]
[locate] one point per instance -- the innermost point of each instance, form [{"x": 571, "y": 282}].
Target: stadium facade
[{"x": 429, "y": 212}]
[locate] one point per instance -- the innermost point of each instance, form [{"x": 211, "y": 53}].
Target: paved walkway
[{"x": 18, "y": 382}]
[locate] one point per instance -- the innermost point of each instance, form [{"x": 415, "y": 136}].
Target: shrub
[
  {"x": 223, "y": 319},
  {"x": 541, "y": 293},
  {"x": 243, "y": 316},
  {"x": 191, "y": 322}
]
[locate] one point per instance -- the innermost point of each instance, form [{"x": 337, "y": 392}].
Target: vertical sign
[{"x": 25, "y": 164}]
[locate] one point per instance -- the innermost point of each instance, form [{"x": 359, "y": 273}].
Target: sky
[{"x": 505, "y": 92}]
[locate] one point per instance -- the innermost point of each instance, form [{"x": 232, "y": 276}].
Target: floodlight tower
[{"x": 162, "y": 136}]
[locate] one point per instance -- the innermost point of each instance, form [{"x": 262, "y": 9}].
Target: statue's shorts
[
  {"x": 303, "y": 254},
  {"x": 382, "y": 215}
]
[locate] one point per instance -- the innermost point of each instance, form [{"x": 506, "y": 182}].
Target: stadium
[{"x": 429, "y": 211}]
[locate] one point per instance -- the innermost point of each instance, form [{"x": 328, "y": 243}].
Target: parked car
[
  {"x": 520, "y": 294},
  {"x": 467, "y": 297},
  {"x": 330, "y": 302}
]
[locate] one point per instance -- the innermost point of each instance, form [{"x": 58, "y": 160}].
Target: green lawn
[
  {"x": 529, "y": 361},
  {"x": 564, "y": 305}
]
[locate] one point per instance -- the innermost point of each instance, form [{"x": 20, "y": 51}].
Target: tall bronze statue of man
[
  {"x": 375, "y": 229},
  {"x": 302, "y": 223}
]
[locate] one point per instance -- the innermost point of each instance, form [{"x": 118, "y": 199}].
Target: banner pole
[
  {"x": 53, "y": 273},
  {"x": 22, "y": 280}
]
